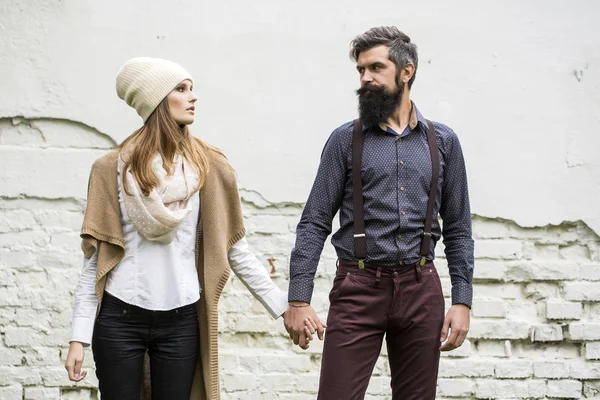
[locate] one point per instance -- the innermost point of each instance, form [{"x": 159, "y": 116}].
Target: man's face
[
  {"x": 379, "y": 95},
  {"x": 376, "y": 68}
]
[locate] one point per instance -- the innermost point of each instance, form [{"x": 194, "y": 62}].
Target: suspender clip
[
  {"x": 422, "y": 262},
  {"x": 361, "y": 264}
]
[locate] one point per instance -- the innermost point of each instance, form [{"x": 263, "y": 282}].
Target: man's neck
[{"x": 400, "y": 118}]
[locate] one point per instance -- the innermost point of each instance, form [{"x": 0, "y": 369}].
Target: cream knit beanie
[{"x": 144, "y": 82}]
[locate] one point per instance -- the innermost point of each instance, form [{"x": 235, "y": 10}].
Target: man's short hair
[{"x": 402, "y": 51}]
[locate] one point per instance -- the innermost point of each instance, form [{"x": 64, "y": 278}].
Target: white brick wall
[{"x": 536, "y": 318}]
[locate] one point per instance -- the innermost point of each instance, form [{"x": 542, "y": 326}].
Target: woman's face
[{"x": 181, "y": 103}]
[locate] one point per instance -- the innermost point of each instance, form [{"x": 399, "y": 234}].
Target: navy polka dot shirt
[{"x": 396, "y": 172}]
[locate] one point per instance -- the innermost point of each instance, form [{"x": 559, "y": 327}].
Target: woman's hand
[{"x": 75, "y": 361}]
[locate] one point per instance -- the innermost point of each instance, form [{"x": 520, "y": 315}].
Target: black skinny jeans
[{"x": 122, "y": 335}]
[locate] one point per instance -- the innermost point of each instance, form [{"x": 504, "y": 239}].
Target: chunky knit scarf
[{"x": 158, "y": 215}]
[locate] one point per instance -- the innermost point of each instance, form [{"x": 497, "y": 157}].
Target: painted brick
[
  {"x": 526, "y": 271},
  {"x": 584, "y": 331},
  {"x": 513, "y": 369},
  {"x": 580, "y": 369},
  {"x": 11, "y": 393},
  {"x": 78, "y": 394},
  {"x": 582, "y": 291},
  {"x": 551, "y": 369},
  {"x": 563, "y": 310},
  {"x": 545, "y": 350},
  {"x": 276, "y": 382},
  {"x": 575, "y": 252},
  {"x": 499, "y": 249},
  {"x": 466, "y": 350},
  {"x": 546, "y": 251},
  {"x": 592, "y": 350},
  {"x": 489, "y": 308},
  {"x": 16, "y": 221},
  {"x": 498, "y": 389},
  {"x": 493, "y": 348},
  {"x": 268, "y": 224},
  {"x": 21, "y": 375},
  {"x": 590, "y": 272},
  {"x": 537, "y": 388},
  {"x": 489, "y": 270},
  {"x": 490, "y": 229},
  {"x": 235, "y": 382},
  {"x": 591, "y": 389},
  {"x": 455, "y": 387},
  {"x": 542, "y": 290},
  {"x": 499, "y": 290},
  {"x": 547, "y": 333},
  {"x": 41, "y": 393},
  {"x": 521, "y": 310},
  {"x": 10, "y": 356},
  {"x": 284, "y": 362},
  {"x": 499, "y": 330},
  {"x": 566, "y": 389},
  {"x": 464, "y": 368}
]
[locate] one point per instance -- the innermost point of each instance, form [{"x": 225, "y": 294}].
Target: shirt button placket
[{"x": 401, "y": 162}]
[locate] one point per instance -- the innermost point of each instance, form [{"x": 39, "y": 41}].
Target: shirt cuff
[
  {"x": 301, "y": 290},
  {"x": 462, "y": 293},
  {"x": 82, "y": 330},
  {"x": 276, "y": 302}
]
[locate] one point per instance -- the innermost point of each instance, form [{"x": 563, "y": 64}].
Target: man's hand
[
  {"x": 457, "y": 320},
  {"x": 75, "y": 361},
  {"x": 301, "y": 321}
]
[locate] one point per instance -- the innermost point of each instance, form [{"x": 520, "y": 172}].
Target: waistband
[
  {"x": 409, "y": 272},
  {"x": 401, "y": 266},
  {"x": 110, "y": 301}
]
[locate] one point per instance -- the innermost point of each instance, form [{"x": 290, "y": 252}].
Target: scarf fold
[{"x": 157, "y": 216}]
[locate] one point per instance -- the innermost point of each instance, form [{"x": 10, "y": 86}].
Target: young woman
[{"x": 162, "y": 227}]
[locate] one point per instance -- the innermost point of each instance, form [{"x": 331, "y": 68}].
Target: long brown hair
[{"x": 161, "y": 134}]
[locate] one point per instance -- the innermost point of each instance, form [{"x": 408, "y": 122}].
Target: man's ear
[{"x": 407, "y": 73}]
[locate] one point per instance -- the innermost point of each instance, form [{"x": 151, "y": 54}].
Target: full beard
[{"x": 376, "y": 104}]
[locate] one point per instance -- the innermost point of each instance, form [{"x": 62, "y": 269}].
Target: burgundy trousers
[{"x": 407, "y": 307}]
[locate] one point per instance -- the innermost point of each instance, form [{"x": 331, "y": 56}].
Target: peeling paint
[
  {"x": 53, "y": 132},
  {"x": 254, "y": 198},
  {"x": 36, "y": 202}
]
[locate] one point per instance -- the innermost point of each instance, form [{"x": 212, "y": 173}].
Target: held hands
[
  {"x": 301, "y": 322},
  {"x": 75, "y": 361},
  {"x": 457, "y": 320}
]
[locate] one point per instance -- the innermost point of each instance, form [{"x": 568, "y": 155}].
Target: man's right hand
[{"x": 298, "y": 317}]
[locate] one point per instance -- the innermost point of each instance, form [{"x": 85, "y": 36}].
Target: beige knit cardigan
[{"x": 222, "y": 226}]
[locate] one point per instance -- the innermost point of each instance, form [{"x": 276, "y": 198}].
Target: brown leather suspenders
[
  {"x": 360, "y": 243},
  {"x": 435, "y": 172}
]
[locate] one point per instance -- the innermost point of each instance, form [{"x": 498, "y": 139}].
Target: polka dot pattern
[
  {"x": 396, "y": 172},
  {"x": 158, "y": 215}
]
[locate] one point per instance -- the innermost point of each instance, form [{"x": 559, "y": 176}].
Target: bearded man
[{"x": 390, "y": 174}]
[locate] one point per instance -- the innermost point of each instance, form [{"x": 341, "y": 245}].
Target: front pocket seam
[{"x": 337, "y": 292}]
